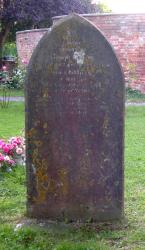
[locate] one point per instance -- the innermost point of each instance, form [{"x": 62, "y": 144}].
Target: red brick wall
[
  {"x": 126, "y": 33},
  {"x": 26, "y": 42}
]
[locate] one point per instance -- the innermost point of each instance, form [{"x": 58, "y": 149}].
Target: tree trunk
[{"x": 3, "y": 36}]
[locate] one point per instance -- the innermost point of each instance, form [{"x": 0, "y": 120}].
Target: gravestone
[{"x": 74, "y": 125}]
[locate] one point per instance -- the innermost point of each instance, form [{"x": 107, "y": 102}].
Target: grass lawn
[
  {"x": 128, "y": 234},
  {"x": 11, "y": 120}
]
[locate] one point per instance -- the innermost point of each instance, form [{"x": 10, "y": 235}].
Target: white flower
[
  {"x": 7, "y": 158},
  {"x": 18, "y": 226}
]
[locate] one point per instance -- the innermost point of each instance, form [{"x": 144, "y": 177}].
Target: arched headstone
[{"x": 74, "y": 125}]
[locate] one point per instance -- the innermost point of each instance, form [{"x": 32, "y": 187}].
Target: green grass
[
  {"x": 14, "y": 92},
  {"x": 128, "y": 234},
  {"x": 11, "y": 120}
]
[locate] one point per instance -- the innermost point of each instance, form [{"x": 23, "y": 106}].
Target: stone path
[
  {"x": 14, "y": 99},
  {"x": 21, "y": 99},
  {"x": 135, "y": 104}
]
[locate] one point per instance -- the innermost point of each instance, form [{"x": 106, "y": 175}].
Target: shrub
[
  {"x": 18, "y": 78},
  {"x": 15, "y": 80},
  {"x": 134, "y": 94},
  {"x": 4, "y": 76},
  {"x": 5, "y": 87},
  {"x": 10, "y": 49}
]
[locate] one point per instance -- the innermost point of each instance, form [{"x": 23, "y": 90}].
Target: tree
[
  {"x": 33, "y": 12},
  {"x": 103, "y": 7}
]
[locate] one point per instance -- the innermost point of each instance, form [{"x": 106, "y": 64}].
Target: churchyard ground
[{"x": 127, "y": 234}]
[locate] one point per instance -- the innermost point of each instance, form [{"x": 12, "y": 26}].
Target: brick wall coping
[
  {"x": 102, "y": 14},
  {"x": 33, "y": 30}
]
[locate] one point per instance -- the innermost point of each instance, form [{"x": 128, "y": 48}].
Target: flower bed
[{"x": 12, "y": 153}]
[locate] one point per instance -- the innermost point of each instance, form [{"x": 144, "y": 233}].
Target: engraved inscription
[{"x": 75, "y": 77}]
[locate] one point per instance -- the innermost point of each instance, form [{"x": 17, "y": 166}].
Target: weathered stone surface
[{"x": 74, "y": 125}]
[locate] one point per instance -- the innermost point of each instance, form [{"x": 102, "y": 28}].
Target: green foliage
[
  {"x": 12, "y": 195},
  {"x": 15, "y": 80},
  {"x": 33, "y": 238},
  {"x": 134, "y": 95},
  {"x": 18, "y": 78},
  {"x": 88, "y": 245},
  {"x": 12, "y": 120},
  {"x": 5, "y": 89},
  {"x": 104, "y": 8},
  {"x": 10, "y": 49},
  {"x": 132, "y": 71}
]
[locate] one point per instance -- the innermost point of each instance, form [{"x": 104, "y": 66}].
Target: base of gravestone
[
  {"x": 61, "y": 227},
  {"x": 73, "y": 213}
]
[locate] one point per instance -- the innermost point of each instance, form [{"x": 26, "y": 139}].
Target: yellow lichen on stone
[
  {"x": 45, "y": 125},
  {"x": 38, "y": 143},
  {"x": 31, "y": 133}
]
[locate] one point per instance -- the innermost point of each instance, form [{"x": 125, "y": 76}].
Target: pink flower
[
  {"x": 4, "y": 68},
  {"x": 11, "y": 162},
  {"x": 19, "y": 151},
  {"x": 24, "y": 61},
  {"x": 13, "y": 146},
  {"x": 16, "y": 141},
  {"x": 1, "y": 158},
  {"x": 9, "y": 151},
  {"x": 19, "y": 141},
  {"x": 1, "y": 143},
  {"x": 6, "y": 148},
  {"x": 11, "y": 139}
]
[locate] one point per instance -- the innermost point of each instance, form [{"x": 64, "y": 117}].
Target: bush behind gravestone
[
  {"x": 18, "y": 78},
  {"x": 13, "y": 81},
  {"x": 9, "y": 49}
]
